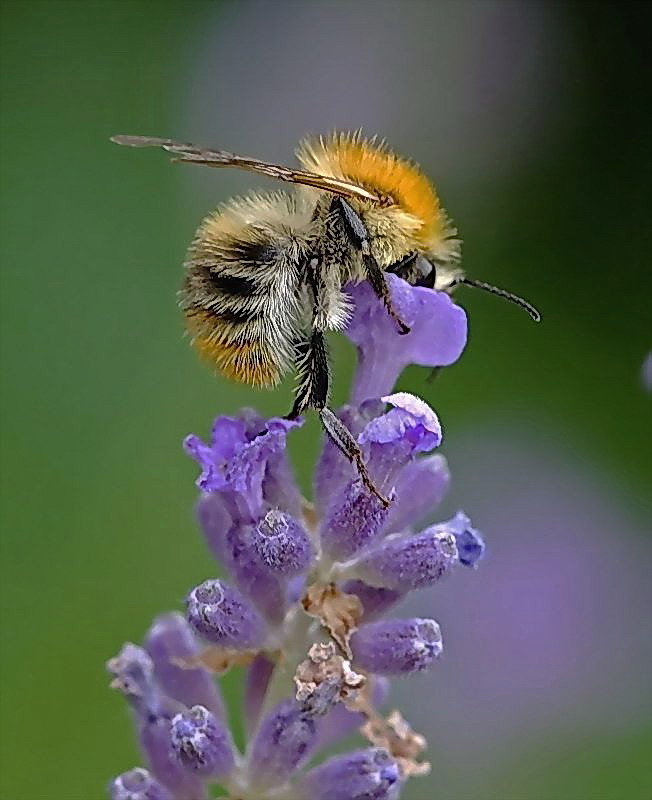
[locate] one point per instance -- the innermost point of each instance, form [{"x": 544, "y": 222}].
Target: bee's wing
[{"x": 190, "y": 153}]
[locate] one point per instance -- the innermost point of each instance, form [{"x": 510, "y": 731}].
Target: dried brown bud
[
  {"x": 338, "y": 612},
  {"x": 325, "y": 678}
]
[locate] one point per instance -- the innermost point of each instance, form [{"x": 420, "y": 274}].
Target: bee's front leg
[{"x": 359, "y": 237}]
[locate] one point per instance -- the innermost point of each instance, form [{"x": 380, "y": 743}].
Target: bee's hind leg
[
  {"x": 343, "y": 439},
  {"x": 313, "y": 391},
  {"x": 359, "y": 237}
]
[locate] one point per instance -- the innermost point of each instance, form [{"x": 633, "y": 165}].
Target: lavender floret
[
  {"x": 285, "y": 740},
  {"x": 437, "y": 337},
  {"x": 398, "y": 646},
  {"x": 220, "y": 614},
  {"x": 281, "y": 543},
  {"x": 404, "y": 563},
  {"x": 363, "y": 775},
  {"x": 170, "y": 642},
  {"x": 138, "y": 784},
  {"x": 201, "y": 743}
]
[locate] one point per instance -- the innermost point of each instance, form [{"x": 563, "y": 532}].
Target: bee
[{"x": 264, "y": 275}]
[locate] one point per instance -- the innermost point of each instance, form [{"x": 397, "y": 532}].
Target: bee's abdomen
[
  {"x": 240, "y": 350},
  {"x": 241, "y": 290}
]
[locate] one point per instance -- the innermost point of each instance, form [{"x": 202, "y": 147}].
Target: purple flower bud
[
  {"x": 133, "y": 672},
  {"x": 420, "y": 487},
  {"x": 397, "y": 646},
  {"x": 437, "y": 336},
  {"x": 138, "y": 784},
  {"x": 154, "y": 733},
  {"x": 220, "y": 614},
  {"x": 409, "y": 562},
  {"x": 470, "y": 543},
  {"x": 284, "y": 741},
  {"x": 217, "y": 514},
  {"x": 355, "y": 518},
  {"x": 201, "y": 743},
  {"x": 375, "y": 599},
  {"x": 281, "y": 543},
  {"x": 362, "y": 775},
  {"x": 170, "y": 640},
  {"x": 254, "y": 579}
]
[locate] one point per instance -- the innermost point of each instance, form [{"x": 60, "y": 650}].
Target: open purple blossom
[
  {"x": 436, "y": 339},
  {"x": 307, "y": 597}
]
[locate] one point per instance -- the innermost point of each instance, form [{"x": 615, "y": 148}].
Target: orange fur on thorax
[{"x": 370, "y": 164}]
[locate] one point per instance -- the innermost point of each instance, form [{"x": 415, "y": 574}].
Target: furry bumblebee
[{"x": 264, "y": 274}]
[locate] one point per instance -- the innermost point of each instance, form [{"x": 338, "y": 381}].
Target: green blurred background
[{"x": 535, "y": 121}]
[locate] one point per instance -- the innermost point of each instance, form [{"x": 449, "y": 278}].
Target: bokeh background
[{"x": 534, "y": 120}]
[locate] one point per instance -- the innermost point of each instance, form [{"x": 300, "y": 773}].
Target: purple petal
[
  {"x": 397, "y": 646},
  {"x": 170, "y": 639},
  {"x": 362, "y": 775},
  {"x": 420, "y": 487},
  {"x": 437, "y": 336},
  {"x": 393, "y": 439},
  {"x": 411, "y": 419},
  {"x": 470, "y": 544},
  {"x": 259, "y": 674},
  {"x": 242, "y": 457},
  {"x": 375, "y": 599}
]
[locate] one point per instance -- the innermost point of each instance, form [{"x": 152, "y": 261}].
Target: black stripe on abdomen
[{"x": 232, "y": 284}]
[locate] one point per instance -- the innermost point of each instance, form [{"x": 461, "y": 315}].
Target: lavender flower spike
[
  {"x": 220, "y": 614},
  {"x": 309, "y": 586},
  {"x": 437, "y": 336},
  {"x": 363, "y": 775},
  {"x": 395, "y": 647},
  {"x": 201, "y": 743},
  {"x": 138, "y": 784}
]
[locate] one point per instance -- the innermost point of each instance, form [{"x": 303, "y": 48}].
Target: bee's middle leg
[
  {"x": 313, "y": 392},
  {"x": 359, "y": 237}
]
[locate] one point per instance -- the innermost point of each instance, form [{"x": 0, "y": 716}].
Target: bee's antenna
[{"x": 513, "y": 298}]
